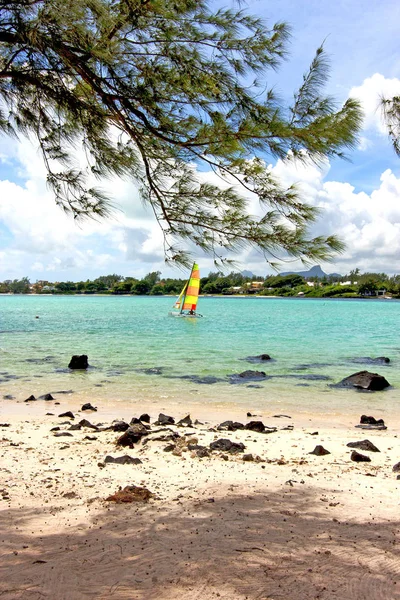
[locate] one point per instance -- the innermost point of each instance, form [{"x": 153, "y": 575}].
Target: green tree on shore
[{"x": 154, "y": 89}]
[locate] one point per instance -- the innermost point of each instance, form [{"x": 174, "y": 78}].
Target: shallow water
[{"x": 137, "y": 352}]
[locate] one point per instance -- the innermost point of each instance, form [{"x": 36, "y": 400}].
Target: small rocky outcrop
[
  {"x": 368, "y": 422},
  {"x": 120, "y": 426},
  {"x": 145, "y": 418},
  {"x": 123, "y": 460},
  {"x": 364, "y": 380},
  {"x": 79, "y": 362},
  {"x": 357, "y": 457},
  {"x": 365, "y": 445},
  {"x": 46, "y": 397},
  {"x": 131, "y": 493},
  {"x": 86, "y": 423},
  {"x": 320, "y": 451},
  {"x": 68, "y": 414},
  {"x": 132, "y": 435},
  {"x": 30, "y": 399},
  {"x": 230, "y": 426},
  {"x": 165, "y": 420},
  {"x": 255, "y": 426},
  {"x": 88, "y": 406},
  {"x": 185, "y": 422},
  {"x": 227, "y": 446}
]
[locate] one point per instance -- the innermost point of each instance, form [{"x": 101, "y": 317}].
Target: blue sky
[{"x": 360, "y": 198}]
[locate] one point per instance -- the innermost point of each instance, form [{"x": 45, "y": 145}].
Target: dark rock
[
  {"x": 49, "y": 414},
  {"x": 120, "y": 426},
  {"x": 230, "y": 426},
  {"x": 64, "y": 392},
  {"x": 91, "y": 438},
  {"x": 132, "y": 435},
  {"x": 185, "y": 422},
  {"x": 396, "y": 468},
  {"x": 248, "y": 376},
  {"x": 198, "y": 379},
  {"x": 55, "y": 429},
  {"x": 247, "y": 457},
  {"x": 62, "y": 434},
  {"x": 258, "y": 359},
  {"x": 365, "y": 420},
  {"x": 9, "y": 397},
  {"x": 227, "y": 446},
  {"x": 145, "y": 418},
  {"x": 250, "y": 415},
  {"x": 88, "y": 406},
  {"x": 30, "y": 399},
  {"x": 85, "y": 423},
  {"x": 169, "y": 448},
  {"x": 78, "y": 362},
  {"x": 281, "y": 416},
  {"x": 255, "y": 426},
  {"x": 365, "y": 445},
  {"x": 364, "y": 380},
  {"x": 123, "y": 460},
  {"x": 75, "y": 427},
  {"x": 202, "y": 452},
  {"x": 367, "y": 360},
  {"x": 68, "y": 414},
  {"x": 4, "y": 424},
  {"x": 165, "y": 420},
  {"x": 319, "y": 451},
  {"x": 357, "y": 457},
  {"x": 46, "y": 397}
]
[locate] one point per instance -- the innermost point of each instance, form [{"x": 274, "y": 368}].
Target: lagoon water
[{"x": 137, "y": 352}]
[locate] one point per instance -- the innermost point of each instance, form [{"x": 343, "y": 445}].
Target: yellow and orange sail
[{"x": 190, "y": 294}]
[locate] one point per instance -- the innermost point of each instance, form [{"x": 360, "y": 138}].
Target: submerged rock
[
  {"x": 258, "y": 359},
  {"x": 365, "y": 445},
  {"x": 79, "y": 362},
  {"x": 248, "y": 375},
  {"x": 364, "y": 380},
  {"x": 367, "y": 360}
]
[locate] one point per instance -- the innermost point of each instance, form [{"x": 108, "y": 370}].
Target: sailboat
[{"x": 186, "y": 304}]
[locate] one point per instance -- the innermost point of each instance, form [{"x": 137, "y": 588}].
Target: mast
[{"x": 186, "y": 287}]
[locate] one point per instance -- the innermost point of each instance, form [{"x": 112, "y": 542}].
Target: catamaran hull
[{"x": 171, "y": 314}]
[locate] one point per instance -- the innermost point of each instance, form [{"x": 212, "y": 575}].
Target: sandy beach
[{"x": 287, "y": 524}]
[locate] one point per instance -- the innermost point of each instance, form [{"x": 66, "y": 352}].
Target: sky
[{"x": 359, "y": 198}]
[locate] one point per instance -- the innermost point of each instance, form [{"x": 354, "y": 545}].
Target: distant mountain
[
  {"x": 247, "y": 274},
  {"x": 313, "y": 272}
]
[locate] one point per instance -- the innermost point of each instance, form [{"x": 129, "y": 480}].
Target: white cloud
[{"x": 370, "y": 94}]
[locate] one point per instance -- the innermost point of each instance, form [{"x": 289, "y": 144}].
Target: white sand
[{"x": 296, "y": 526}]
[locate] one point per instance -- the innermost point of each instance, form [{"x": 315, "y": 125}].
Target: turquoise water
[{"x": 124, "y": 337}]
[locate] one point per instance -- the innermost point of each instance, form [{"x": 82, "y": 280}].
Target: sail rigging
[{"x": 188, "y": 298}]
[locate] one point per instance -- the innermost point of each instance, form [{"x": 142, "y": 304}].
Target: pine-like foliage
[
  {"x": 157, "y": 90},
  {"x": 391, "y": 113}
]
